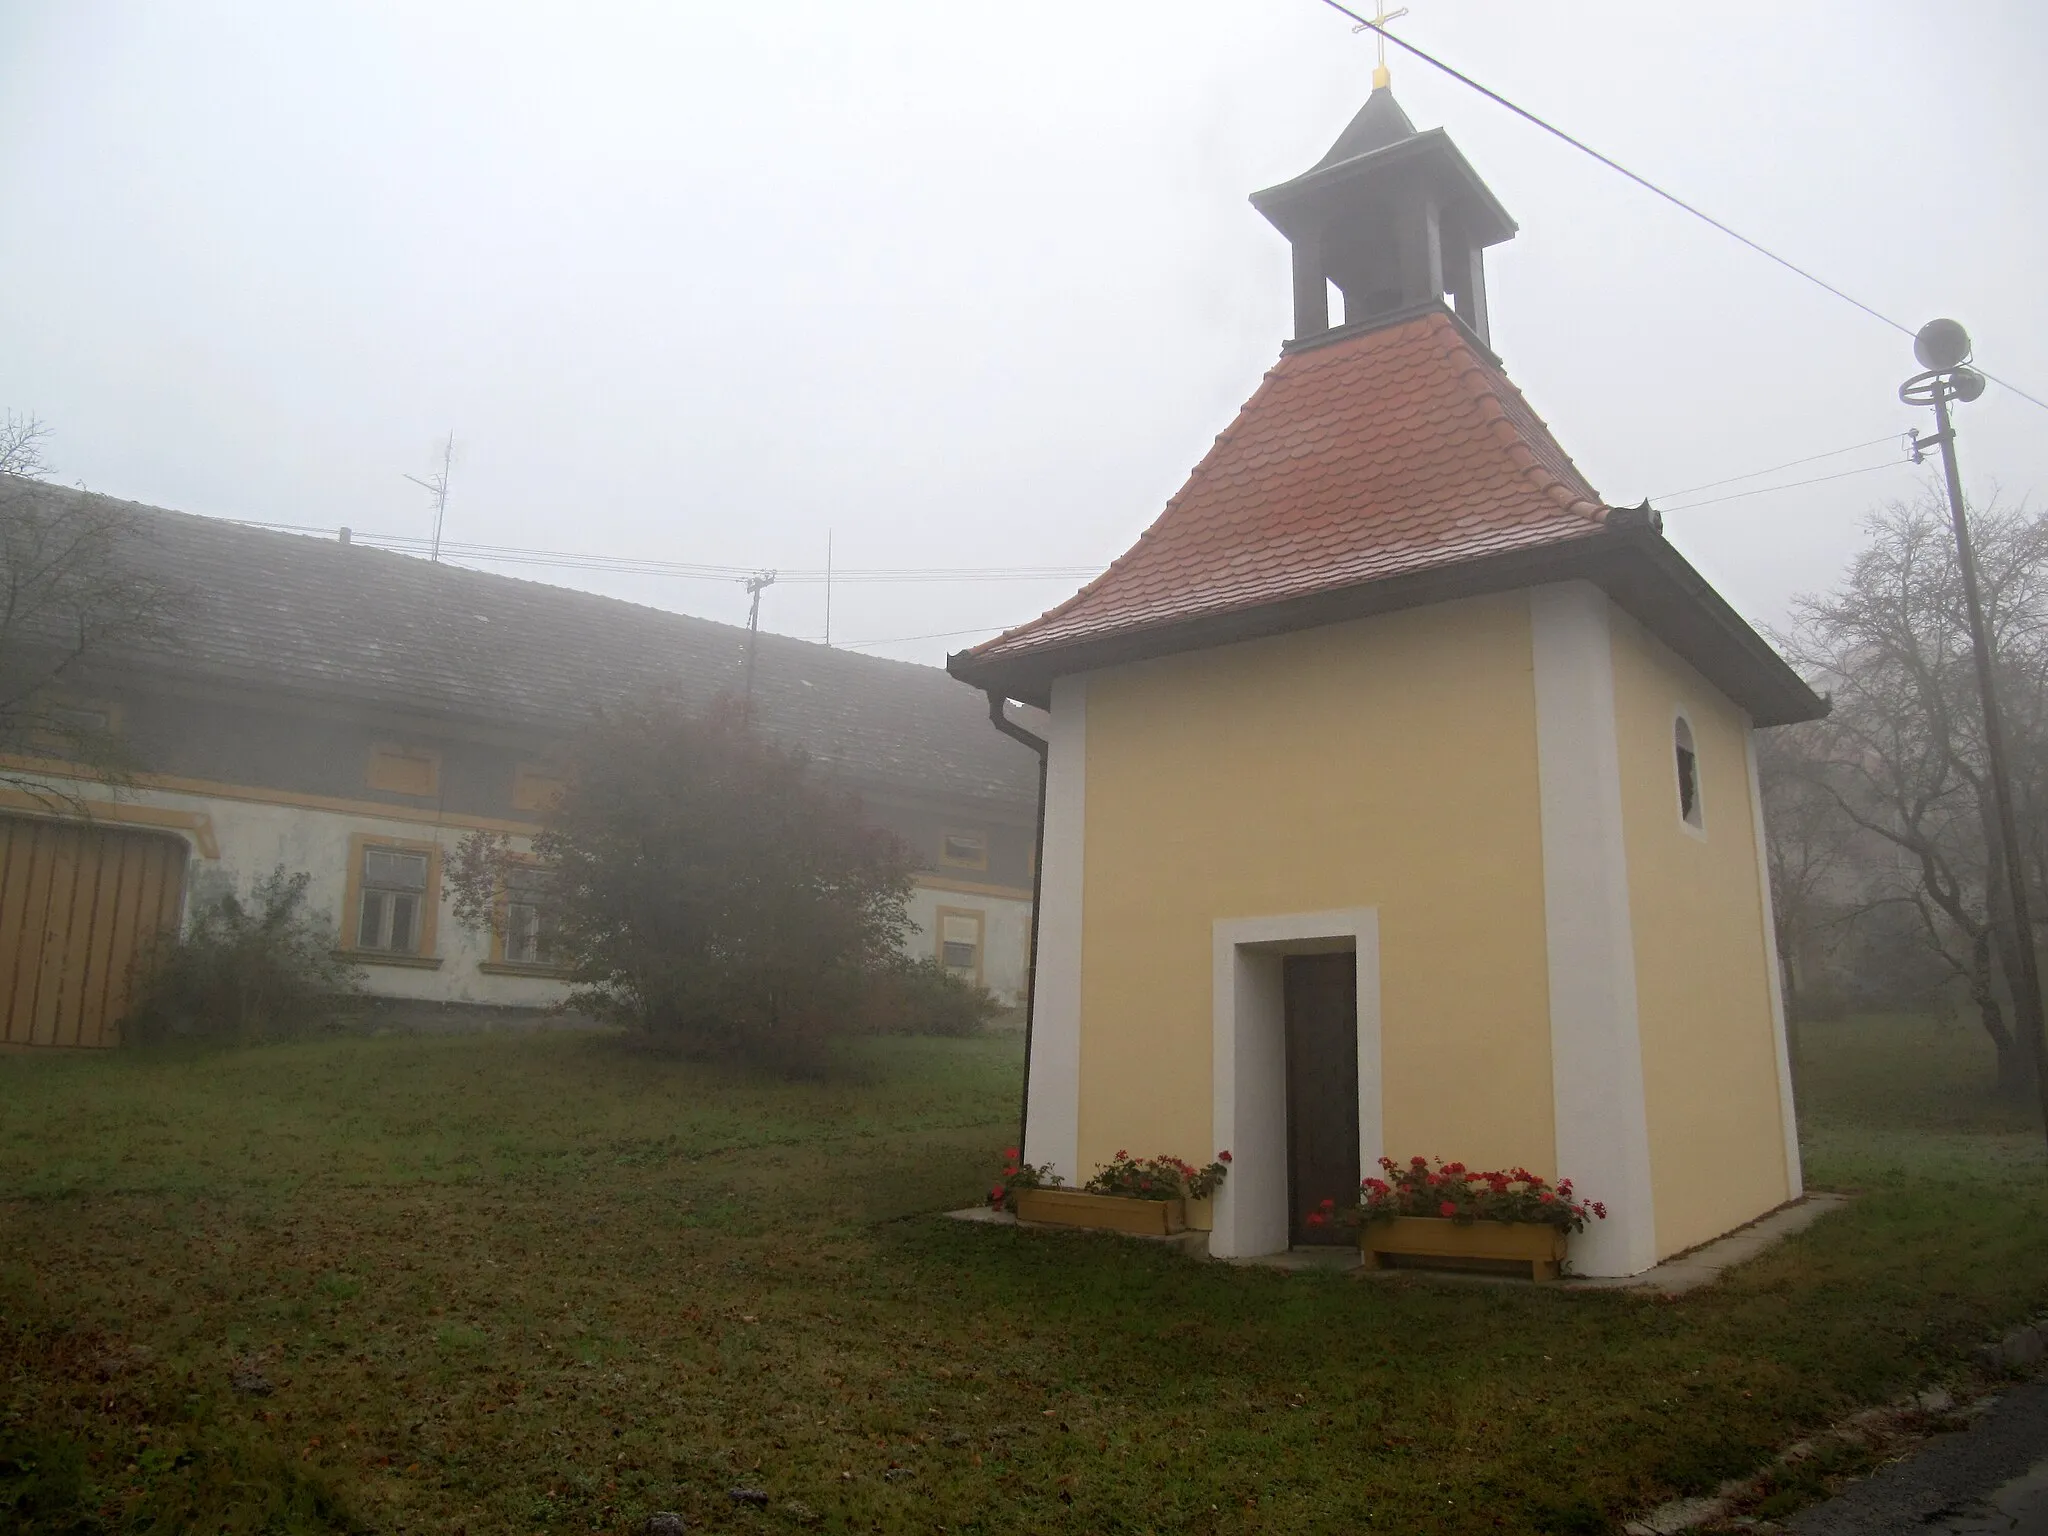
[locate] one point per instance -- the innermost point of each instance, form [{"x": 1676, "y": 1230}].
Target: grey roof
[
  {"x": 1379, "y": 122},
  {"x": 312, "y": 616}
]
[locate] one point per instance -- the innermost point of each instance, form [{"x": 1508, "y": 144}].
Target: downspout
[{"x": 1002, "y": 722}]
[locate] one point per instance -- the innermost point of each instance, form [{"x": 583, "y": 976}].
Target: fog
[{"x": 965, "y": 285}]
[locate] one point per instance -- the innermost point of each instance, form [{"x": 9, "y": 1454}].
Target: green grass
[{"x": 542, "y": 1283}]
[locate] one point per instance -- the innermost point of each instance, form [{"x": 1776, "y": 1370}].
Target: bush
[
  {"x": 242, "y": 971},
  {"x": 705, "y": 888},
  {"x": 909, "y": 996}
]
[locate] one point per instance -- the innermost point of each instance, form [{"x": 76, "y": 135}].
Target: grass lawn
[{"x": 541, "y": 1283}]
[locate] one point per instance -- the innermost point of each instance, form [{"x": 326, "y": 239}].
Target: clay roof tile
[{"x": 1384, "y": 454}]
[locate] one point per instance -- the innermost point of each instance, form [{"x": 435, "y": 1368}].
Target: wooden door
[
  {"x": 78, "y": 905},
  {"x": 1321, "y": 994}
]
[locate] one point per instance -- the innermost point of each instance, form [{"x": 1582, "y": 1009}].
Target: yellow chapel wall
[
  {"x": 1387, "y": 762},
  {"x": 1710, "y": 1065}
]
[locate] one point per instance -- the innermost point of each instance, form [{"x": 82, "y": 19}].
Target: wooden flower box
[
  {"x": 1108, "y": 1213},
  {"x": 1438, "y": 1242}
]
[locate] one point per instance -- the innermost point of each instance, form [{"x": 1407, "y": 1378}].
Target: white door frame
[{"x": 1250, "y": 1041}]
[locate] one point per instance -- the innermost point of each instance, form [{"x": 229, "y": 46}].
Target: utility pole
[
  {"x": 828, "y": 588},
  {"x": 438, "y": 486},
  {"x": 756, "y": 584},
  {"x": 1943, "y": 349}
]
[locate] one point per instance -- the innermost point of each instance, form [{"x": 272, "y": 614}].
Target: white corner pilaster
[
  {"x": 1054, "y": 1130},
  {"x": 1788, "y": 1110},
  {"x": 1596, "y": 1073}
]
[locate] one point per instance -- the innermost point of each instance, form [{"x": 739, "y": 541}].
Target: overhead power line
[
  {"x": 1791, "y": 485},
  {"x": 1757, "y": 474},
  {"x": 1650, "y": 186},
  {"x": 944, "y": 634},
  {"x": 504, "y": 554}
]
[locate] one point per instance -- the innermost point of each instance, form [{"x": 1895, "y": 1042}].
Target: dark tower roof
[{"x": 1379, "y": 122}]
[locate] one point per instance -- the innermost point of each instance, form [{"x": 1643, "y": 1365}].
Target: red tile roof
[{"x": 1398, "y": 451}]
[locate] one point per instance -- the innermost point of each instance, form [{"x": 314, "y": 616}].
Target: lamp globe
[{"x": 1942, "y": 345}]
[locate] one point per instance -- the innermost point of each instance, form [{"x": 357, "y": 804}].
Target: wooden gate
[{"x": 78, "y": 904}]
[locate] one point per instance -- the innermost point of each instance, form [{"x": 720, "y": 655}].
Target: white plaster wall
[
  {"x": 255, "y": 839},
  {"x": 1006, "y": 936}
]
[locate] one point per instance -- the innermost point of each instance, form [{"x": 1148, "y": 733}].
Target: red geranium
[{"x": 1414, "y": 1188}]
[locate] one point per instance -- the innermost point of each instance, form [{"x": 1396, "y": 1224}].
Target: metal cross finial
[{"x": 1381, "y": 16}]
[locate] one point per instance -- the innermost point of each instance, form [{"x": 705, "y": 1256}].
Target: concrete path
[
  {"x": 1992, "y": 1477},
  {"x": 1707, "y": 1263}
]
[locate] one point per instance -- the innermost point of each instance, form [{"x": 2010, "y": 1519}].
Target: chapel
[{"x": 1400, "y": 793}]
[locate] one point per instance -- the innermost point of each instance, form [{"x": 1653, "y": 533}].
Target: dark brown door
[{"x": 1322, "y": 1089}]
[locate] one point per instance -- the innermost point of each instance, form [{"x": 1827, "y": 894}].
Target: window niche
[{"x": 1688, "y": 771}]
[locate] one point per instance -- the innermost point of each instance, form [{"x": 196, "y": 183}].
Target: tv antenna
[{"x": 437, "y": 486}]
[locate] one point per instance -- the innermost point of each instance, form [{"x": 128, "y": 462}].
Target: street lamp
[{"x": 1943, "y": 350}]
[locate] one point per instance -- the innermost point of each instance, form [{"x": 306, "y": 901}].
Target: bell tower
[{"x": 1397, "y": 220}]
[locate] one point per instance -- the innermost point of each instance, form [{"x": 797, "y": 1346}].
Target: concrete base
[
  {"x": 1700, "y": 1266},
  {"x": 1322, "y": 1256},
  {"x": 1192, "y": 1243},
  {"x": 1676, "y": 1275}
]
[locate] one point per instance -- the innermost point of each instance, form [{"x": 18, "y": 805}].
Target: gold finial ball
[{"x": 1382, "y": 77}]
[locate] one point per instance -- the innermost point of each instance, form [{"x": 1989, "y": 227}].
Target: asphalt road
[{"x": 1992, "y": 1477}]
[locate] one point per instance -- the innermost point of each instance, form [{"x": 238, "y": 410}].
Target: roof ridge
[
  {"x": 1469, "y": 365},
  {"x": 305, "y": 542}
]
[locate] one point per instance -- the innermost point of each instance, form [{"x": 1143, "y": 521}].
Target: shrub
[
  {"x": 242, "y": 971},
  {"x": 705, "y": 889},
  {"x": 920, "y": 996}
]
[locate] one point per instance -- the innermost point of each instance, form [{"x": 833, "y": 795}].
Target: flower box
[
  {"x": 1426, "y": 1241},
  {"x": 1109, "y": 1213}
]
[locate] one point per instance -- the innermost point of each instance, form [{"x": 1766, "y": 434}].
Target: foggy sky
[{"x": 965, "y": 284}]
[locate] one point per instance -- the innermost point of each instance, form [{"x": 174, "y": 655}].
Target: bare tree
[
  {"x": 73, "y": 596},
  {"x": 1901, "y": 755},
  {"x": 1817, "y": 885},
  {"x": 21, "y": 447}
]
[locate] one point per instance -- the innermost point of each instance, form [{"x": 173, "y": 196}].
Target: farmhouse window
[
  {"x": 404, "y": 770},
  {"x": 960, "y": 938},
  {"x": 64, "y": 726},
  {"x": 529, "y": 924},
  {"x": 965, "y": 850},
  {"x": 536, "y": 789},
  {"x": 394, "y": 901}
]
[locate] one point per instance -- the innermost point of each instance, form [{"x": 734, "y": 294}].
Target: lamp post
[{"x": 1943, "y": 350}]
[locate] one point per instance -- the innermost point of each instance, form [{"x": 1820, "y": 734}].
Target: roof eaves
[{"x": 1027, "y": 676}]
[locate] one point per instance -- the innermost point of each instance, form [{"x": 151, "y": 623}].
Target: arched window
[{"x": 1688, "y": 775}]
